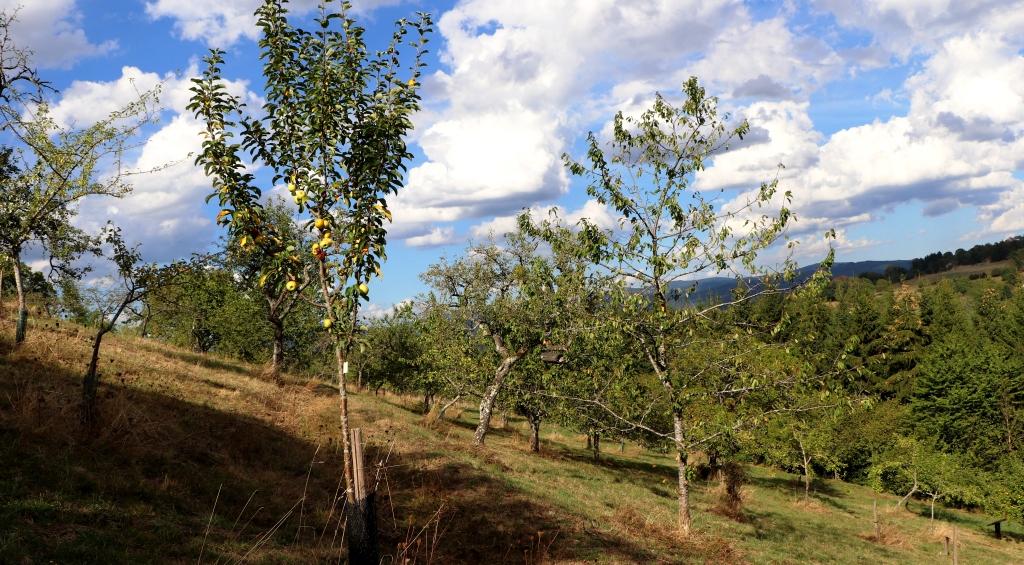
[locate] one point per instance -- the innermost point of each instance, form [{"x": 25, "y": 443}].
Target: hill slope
[
  {"x": 198, "y": 457},
  {"x": 719, "y": 289}
]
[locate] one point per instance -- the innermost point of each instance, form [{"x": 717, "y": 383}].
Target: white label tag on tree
[{"x": 344, "y": 367}]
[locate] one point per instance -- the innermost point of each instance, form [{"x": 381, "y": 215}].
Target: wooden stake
[
  {"x": 362, "y": 522},
  {"x": 878, "y": 525},
  {"x": 956, "y": 546},
  {"x": 358, "y": 464}
]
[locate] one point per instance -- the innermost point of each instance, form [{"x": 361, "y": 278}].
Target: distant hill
[{"x": 720, "y": 288}]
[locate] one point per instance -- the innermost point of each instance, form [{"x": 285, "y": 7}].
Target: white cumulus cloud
[{"x": 52, "y": 30}]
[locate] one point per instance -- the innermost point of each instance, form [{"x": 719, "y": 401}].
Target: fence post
[
  {"x": 878, "y": 525},
  {"x": 956, "y": 546},
  {"x": 362, "y": 522}
]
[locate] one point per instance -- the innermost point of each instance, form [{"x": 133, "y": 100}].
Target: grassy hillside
[
  {"x": 964, "y": 271},
  {"x": 199, "y": 458}
]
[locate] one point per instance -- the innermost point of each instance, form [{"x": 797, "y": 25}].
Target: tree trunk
[
  {"x": 145, "y": 322},
  {"x": 2, "y": 305},
  {"x": 22, "y": 320},
  {"x": 445, "y": 408},
  {"x": 807, "y": 479},
  {"x": 339, "y": 356},
  {"x": 934, "y": 496},
  {"x": 277, "y": 359},
  {"x": 903, "y": 501},
  {"x": 91, "y": 382},
  {"x": 684, "y": 481},
  {"x": 806, "y": 466},
  {"x": 490, "y": 395},
  {"x": 597, "y": 446},
  {"x": 535, "y": 435},
  {"x": 590, "y": 440},
  {"x": 428, "y": 401}
]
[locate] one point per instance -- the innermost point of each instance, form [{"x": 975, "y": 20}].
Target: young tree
[
  {"x": 670, "y": 232},
  {"x": 333, "y": 128},
  {"x": 515, "y": 296},
  {"x": 60, "y": 167},
  {"x": 281, "y": 288},
  {"x": 804, "y": 440},
  {"x": 499, "y": 294},
  {"x": 136, "y": 280}
]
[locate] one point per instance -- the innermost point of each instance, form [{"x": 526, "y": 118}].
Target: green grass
[{"x": 189, "y": 440}]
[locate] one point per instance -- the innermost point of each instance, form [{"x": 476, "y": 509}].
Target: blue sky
[{"x": 900, "y": 122}]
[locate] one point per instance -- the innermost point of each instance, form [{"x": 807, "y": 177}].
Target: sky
[{"x": 899, "y": 123}]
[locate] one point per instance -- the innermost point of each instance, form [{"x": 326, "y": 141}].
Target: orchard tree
[
  {"x": 495, "y": 294},
  {"x": 805, "y": 440},
  {"x": 912, "y": 465},
  {"x": 527, "y": 395},
  {"x": 50, "y": 173},
  {"x": 133, "y": 280},
  {"x": 51, "y": 168},
  {"x": 282, "y": 290},
  {"x": 392, "y": 354},
  {"x": 668, "y": 233},
  {"x": 333, "y": 129},
  {"x": 514, "y": 296},
  {"x": 454, "y": 361}
]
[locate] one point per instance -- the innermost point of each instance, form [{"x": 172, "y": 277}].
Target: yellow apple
[
  {"x": 327, "y": 323},
  {"x": 363, "y": 289},
  {"x": 291, "y": 285}
]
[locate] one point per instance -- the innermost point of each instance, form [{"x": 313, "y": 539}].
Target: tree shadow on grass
[
  {"x": 622, "y": 466},
  {"x": 795, "y": 484},
  {"x": 476, "y": 518},
  {"x": 142, "y": 486},
  {"x": 202, "y": 359},
  {"x": 166, "y": 480}
]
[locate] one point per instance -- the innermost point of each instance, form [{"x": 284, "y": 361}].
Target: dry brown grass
[
  {"x": 811, "y": 505},
  {"x": 182, "y": 430},
  {"x": 702, "y": 547}
]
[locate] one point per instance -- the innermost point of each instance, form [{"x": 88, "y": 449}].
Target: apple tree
[
  {"x": 670, "y": 233},
  {"x": 332, "y": 129},
  {"x": 50, "y": 171},
  {"x": 282, "y": 295},
  {"x": 516, "y": 296},
  {"x": 134, "y": 279}
]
